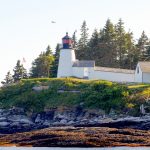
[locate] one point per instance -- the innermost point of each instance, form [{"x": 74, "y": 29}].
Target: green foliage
[
  {"x": 113, "y": 46},
  {"x": 74, "y": 45},
  {"x": 70, "y": 92},
  {"x": 41, "y": 66},
  {"x": 105, "y": 95},
  {"x": 143, "y": 47},
  {"x": 19, "y": 72},
  {"x": 55, "y": 62},
  {"x": 8, "y": 79},
  {"x": 82, "y": 43}
]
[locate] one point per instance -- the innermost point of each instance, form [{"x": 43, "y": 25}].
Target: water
[{"x": 52, "y": 148}]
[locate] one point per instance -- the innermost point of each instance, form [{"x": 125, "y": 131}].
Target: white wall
[
  {"x": 81, "y": 72},
  {"x": 146, "y": 77},
  {"x": 111, "y": 76},
  {"x": 78, "y": 72},
  {"x": 66, "y": 59},
  {"x": 138, "y": 74}
]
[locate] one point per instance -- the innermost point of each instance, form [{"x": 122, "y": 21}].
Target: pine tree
[
  {"x": 8, "y": 79},
  {"x": 48, "y": 51},
  {"x": 56, "y": 61},
  {"x": 74, "y": 40},
  {"x": 92, "y": 52},
  {"x": 82, "y": 43},
  {"x": 120, "y": 42},
  {"x": 106, "y": 46},
  {"x": 131, "y": 56},
  {"x": 148, "y": 53},
  {"x": 125, "y": 47},
  {"x": 143, "y": 47},
  {"x": 41, "y": 66},
  {"x": 19, "y": 72}
]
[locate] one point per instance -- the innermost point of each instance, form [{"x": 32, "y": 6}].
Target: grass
[
  {"x": 138, "y": 86},
  {"x": 94, "y": 94}
]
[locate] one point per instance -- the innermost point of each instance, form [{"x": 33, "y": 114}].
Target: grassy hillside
[{"x": 69, "y": 92}]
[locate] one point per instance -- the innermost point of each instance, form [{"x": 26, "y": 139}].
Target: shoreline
[{"x": 78, "y": 137}]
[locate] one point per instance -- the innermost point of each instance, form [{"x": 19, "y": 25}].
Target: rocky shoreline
[
  {"x": 72, "y": 128},
  {"x": 16, "y": 120}
]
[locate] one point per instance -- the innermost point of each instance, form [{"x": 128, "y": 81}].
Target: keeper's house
[{"x": 69, "y": 66}]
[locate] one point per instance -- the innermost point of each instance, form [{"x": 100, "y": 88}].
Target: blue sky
[{"x": 26, "y": 28}]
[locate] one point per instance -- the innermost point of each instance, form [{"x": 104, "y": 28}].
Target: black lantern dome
[{"x": 67, "y": 42}]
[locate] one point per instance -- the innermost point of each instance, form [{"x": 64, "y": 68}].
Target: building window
[{"x": 137, "y": 70}]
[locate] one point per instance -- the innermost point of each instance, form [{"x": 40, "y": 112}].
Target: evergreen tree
[
  {"x": 8, "y": 79},
  {"x": 41, "y": 66},
  {"x": 92, "y": 51},
  {"x": 106, "y": 46},
  {"x": 120, "y": 43},
  {"x": 131, "y": 56},
  {"x": 125, "y": 47},
  {"x": 148, "y": 53},
  {"x": 82, "y": 43},
  {"x": 48, "y": 51},
  {"x": 74, "y": 40},
  {"x": 56, "y": 61},
  {"x": 143, "y": 47},
  {"x": 19, "y": 72}
]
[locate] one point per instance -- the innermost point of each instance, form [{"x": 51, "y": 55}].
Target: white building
[
  {"x": 69, "y": 66},
  {"x": 142, "y": 72}
]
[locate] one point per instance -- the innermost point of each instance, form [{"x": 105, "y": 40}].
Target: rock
[
  {"x": 63, "y": 121},
  {"x": 4, "y": 124},
  {"x": 40, "y": 88},
  {"x": 15, "y": 124},
  {"x": 71, "y": 122},
  {"x": 56, "y": 123},
  {"x": 59, "y": 117},
  {"x": 17, "y": 118},
  {"x": 49, "y": 115},
  {"x": 26, "y": 121},
  {"x": 26, "y": 126},
  {"x": 38, "y": 119},
  {"x": 3, "y": 119},
  {"x": 46, "y": 123}
]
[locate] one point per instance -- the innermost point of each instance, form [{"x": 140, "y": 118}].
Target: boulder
[
  {"x": 3, "y": 119},
  {"x": 38, "y": 119},
  {"x": 71, "y": 122},
  {"x": 63, "y": 121},
  {"x": 26, "y": 121},
  {"x": 4, "y": 124},
  {"x": 40, "y": 88}
]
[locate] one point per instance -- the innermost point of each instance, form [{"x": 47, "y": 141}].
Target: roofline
[
  {"x": 114, "y": 71},
  {"x": 141, "y": 68},
  {"x": 81, "y": 67}
]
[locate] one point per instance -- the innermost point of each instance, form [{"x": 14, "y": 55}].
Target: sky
[{"x": 26, "y": 28}]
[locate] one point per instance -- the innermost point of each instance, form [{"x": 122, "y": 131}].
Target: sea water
[{"x": 54, "y": 148}]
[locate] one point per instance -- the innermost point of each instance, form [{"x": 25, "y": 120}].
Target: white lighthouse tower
[{"x": 66, "y": 58}]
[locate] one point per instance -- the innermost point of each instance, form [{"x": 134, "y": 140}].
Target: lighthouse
[{"x": 66, "y": 58}]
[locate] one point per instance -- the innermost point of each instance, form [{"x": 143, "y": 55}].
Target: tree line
[
  {"x": 44, "y": 66},
  {"x": 110, "y": 46}
]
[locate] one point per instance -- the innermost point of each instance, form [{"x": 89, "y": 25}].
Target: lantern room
[{"x": 67, "y": 42}]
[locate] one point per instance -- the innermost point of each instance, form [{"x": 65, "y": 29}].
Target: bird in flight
[{"x": 53, "y": 22}]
